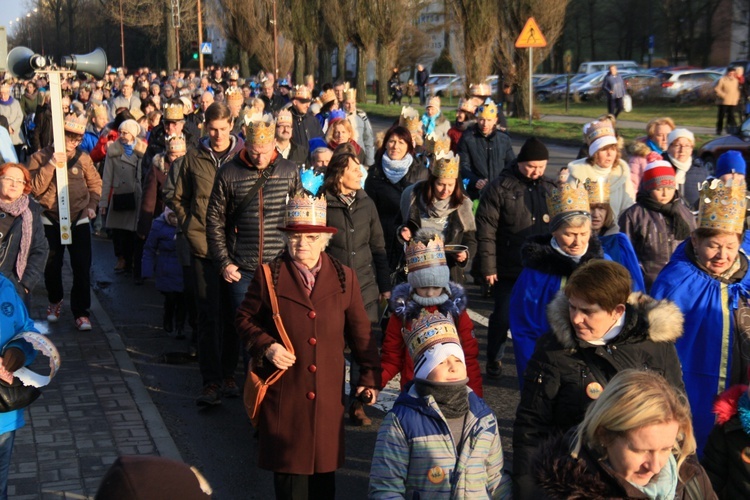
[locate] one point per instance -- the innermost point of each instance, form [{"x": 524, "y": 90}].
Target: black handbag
[
  {"x": 123, "y": 202},
  {"x": 16, "y": 395}
]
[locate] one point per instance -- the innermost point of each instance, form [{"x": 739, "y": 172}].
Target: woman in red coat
[{"x": 301, "y": 424}]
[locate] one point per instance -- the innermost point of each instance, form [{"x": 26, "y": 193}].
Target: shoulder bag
[
  {"x": 255, "y": 386},
  {"x": 245, "y": 202}
]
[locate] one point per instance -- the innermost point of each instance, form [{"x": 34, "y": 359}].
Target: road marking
[{"x": 478, "y": 318}]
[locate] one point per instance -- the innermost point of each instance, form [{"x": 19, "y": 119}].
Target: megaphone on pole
[
  {"x": 93, "y": 63},
  {"x": 22, "y": 62}
]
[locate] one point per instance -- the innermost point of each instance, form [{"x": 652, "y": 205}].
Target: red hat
[
  {"x": 306, "y": 214},
  {"x": 658, "y": 174}
]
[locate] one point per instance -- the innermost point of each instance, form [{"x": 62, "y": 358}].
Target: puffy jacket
[
  {"x": 304, "y": 128},
  {"x": 160, "y": 257},
  {"x": 38, "y": 250},
  {"x": 511, "y": 208},
  {"x": 554, "y": 396},
  {"x": 394, "y": 356},
  {"x": 250, "y": 238},
  {"x": 192, "y": 190},
  {"x": 363, "y": 134},
  {"x": 622, "y": 194},
  {"x": 483, "y": 157},
  {"x": 41, "y": 136},
  {"x": 359, "y": 243},
  {"x": 415, "y": 455}
]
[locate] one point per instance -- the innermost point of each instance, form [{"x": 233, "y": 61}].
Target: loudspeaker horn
[
  {"x": 22, "y": 62},
  {"x": 93, "y": 63}
]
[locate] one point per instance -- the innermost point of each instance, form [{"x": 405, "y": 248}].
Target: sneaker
[
  {"x": 230, "y": 388},
  {"x": 53, "y": 312},
  {"x": 209, "y": 396},
  {"x": 83, "y": 324},
  {"x": 495, "y": 370}
]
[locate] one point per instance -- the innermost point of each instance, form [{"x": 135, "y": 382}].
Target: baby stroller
[{"x": 396, "y": 91}]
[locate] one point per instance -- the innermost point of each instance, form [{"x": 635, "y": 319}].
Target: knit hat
[
  {"x": 130, "y": 126},
  {"x": 680, "y": 132},
  {"x": 533, "y": 150},
  {"x": 658, "y": 174},
  {"x": 430, "y": 340},
  {"x": 730, "y": 162},
  {"x": 152, "y": 478},
  {"x": 425, "y": 261}
]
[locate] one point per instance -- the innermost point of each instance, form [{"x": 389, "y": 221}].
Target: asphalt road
[{"x": 219, "y": 440}]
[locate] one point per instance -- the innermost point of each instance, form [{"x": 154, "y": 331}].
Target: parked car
[
  {"x": 678, "y": 84},
  {"x": 596, "y": 66},
  {"x": 642, "y": 85},
  {"x": 443, "y": 85},
  {"x": 543, "y": 88},
  {"x": 558, "y": 92},
  {"x": 711, "y": 150}
]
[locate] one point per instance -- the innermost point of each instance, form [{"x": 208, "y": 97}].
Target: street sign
[
  {"x": 206, "y": 48},
  {"x": 568, "y": 58},
  {"x": 531, "y": 36}
]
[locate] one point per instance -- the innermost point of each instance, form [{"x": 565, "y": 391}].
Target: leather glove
[{"x": 13, "y": 359}]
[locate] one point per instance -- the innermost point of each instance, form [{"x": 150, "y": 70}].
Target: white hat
[{"x": 680, "y": 132}]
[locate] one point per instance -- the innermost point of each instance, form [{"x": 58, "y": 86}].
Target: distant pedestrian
[
  {"x": 614, "y": 88},
  {"x": 423, "y": 75},
  {"x": 728, "y": 95}
]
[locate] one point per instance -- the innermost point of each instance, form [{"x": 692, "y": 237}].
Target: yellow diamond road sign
[{"x": 531, "y": 36}]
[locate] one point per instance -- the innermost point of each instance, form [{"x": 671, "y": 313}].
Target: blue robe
[
  {"x": 620, "y": 250},
  {"x": 706, "y": 346}
]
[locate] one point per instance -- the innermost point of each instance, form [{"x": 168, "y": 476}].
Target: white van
[{"x": 593, "y": 67}]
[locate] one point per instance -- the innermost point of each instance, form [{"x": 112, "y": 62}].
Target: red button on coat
[
  {"x": 311, "y": 315},
  {"x": 312, "y": 341},
  {"x": 310, "y": 395},
  {"x": 312, "y": 368}
]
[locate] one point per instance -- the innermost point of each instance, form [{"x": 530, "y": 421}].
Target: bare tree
[
  {"x": 478, "y": 20},
  {"x": 414, "y": 47},
  {"x": 365, "y": 39},
  {"x": 337, "y": 17}
]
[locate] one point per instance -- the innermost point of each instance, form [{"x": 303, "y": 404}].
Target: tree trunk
[
  {"x": 299, "y": 67},
  {"x": 244, "y": 62},
  {"x": 521, "y": 97},
  {"x": 592, "y": 25},
  {"x": 171, "y": 41},
  {"x": 361, "y": 75},
  {"x": 326, "y": 66},
  {"x": 383, "y": 71},
  {"x": 310, "y": 52},
  {"x": 341, "y": 62}
]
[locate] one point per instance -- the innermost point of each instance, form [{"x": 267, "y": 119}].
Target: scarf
[
  {"x": 395, "y": 170},
  {"x": 429, "y": 301},
  {"x": 16, "y": 208},
  {"x": 671, "y": 211},
  {"x": 333, "y": 145},
  {"x": 348, "y": 199},
  {"x": 743, "y": 412},
  {"x": 8, "y": 102},
  {"x": 575, "y": 258},
  {"x": 451, "y": 397},
  {"x": 128, "y": 149},
  {"x": 662, "y": 486},
  {"x": 681, "y": 168},
  {"x": 651, "y": 144},
  {"x": 308, "y": 275},
  {"x": 428, "y": 123}
]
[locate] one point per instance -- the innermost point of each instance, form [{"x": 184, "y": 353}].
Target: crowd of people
[{"x": 278, "y": 225}]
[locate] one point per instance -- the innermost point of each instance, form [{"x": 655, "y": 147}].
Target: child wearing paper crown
[
  {"x": 440, "y": 440},
  {"x": 428, "y": 288}
]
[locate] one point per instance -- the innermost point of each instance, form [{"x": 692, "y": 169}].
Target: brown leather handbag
[{"x": 255, "y": 386}]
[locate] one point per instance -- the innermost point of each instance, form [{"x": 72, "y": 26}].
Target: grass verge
[{"x": 684, "y": 115}]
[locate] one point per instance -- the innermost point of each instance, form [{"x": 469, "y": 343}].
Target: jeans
[
  {"x": 207, "y": 289},
  {"x": 6, "y": 449},
  {"x": 499, "y": 321},
  {"x": 422, "y": 94},
  {"x": 729, "y": 112},
  {"x": 614, "y": 105},
  {"x": 80, "y": 261},
  {"x": 235, "y": 293}
]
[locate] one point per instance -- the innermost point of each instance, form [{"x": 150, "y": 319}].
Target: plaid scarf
[{"x": 308, "y": 275}]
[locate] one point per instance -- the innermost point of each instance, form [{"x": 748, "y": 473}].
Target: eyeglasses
[
  {"x": 683, "y": 146},
  {"x": 307, "y": 238},
  {"x": 10, "y": 181}
]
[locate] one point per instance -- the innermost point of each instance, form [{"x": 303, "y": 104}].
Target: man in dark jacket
[
  {"x": 306, "y": 126},
  {"x": 422, "y": 76},
  {"x": 191, "y": 193},
  {"x": 286, "y": 148},
  {"x": 273, "y": 101},
  {"x": 484, "y": 150},
  {"x": 614, "y": 88},
  {"x": 512, "y": 208}
]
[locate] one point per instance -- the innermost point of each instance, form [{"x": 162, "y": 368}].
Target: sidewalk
[
  {"x": 620, "y": 123},
  {"x": 95, "y": 409}
]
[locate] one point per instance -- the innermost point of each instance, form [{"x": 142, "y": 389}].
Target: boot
[
  {"x": 357, "y": 414},
  {"x": 120, "y": 266}
]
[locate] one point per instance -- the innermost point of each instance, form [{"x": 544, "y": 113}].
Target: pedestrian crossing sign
[
  {"x": 531, "y": 36},
  {"x": 206, "y": 48}
]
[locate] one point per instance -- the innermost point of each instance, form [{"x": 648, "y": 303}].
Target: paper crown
[
  {"x": 128, "y": 82},
  {"x": 435, "y": 144},
  {"x": 5, "y": 85},
  {"x": 176, "y": 143},
  {"x": 327, "y": 96},
  {"x": 488, "y": 110},
  {"x": 99, "y": 110},
  {"x": 568, "y": 198},
  {"x": 284, "y": 116},
  {"x": 428, "y": 330},
  {"x": 434, "y": 102},
  {"x": 410, "y": 119},
  {"x": 722, "y": 206},
  {"x": 350, "y": 94},
  {"x": 259, "y": 129},
  {"x": 466, "y": 105},
  {"x": 598, "y": 129},
  {"x": 445, "y": 166},
  {"x": 75, "y": 124},
  {"x": 480, "y": 90},
  {"x": 421, "y": 256},
  {"x": 300, "y": 92},
  {"x": 311, "y": 180},
  {"x": 234, "y": 94},
  {"x": 174, "y": 112},
  {"x": 306, "y": 214},
  {"x": 598, "y": 190},
  {"x": 234, "y": 75}
]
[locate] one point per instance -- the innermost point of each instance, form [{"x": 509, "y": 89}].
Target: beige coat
[
  {"x": 622, "y": 194},
  {"x": 727, "y": 91},
  {"x": 121, "y": 175}
]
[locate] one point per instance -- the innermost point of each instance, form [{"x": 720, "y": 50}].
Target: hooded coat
[{"x": 122, "y": 175}]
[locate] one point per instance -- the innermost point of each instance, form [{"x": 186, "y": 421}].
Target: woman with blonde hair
[
  {"x": 636, "y": 441},
  {"x": 656, "y": 140}
]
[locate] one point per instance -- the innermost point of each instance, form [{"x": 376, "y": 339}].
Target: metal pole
[
  {"x": 275, "y": 47},
  {"x": 122, "y": 37},
  {"x": 177, "y": 48},
  {"x": 200, "y": 37},
  {"x": 531, "y": 85}
]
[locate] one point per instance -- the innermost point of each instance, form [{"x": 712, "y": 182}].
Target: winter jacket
[
  {"x": 274, "y": 104},
  {"x": 415, "y": 455},
  {"x": 363, "y": 134},
  {"x": 694, "y": 177},
  {"x": 394, "y": 355},
  {"x": 121, "y": 176},
  {"x": 192, "y": 190},
  {"x": 727, "y": 91},
  {"x": 457, "y": 130},
  {"x": 297, "y": 154},
  {"x": 91, "y": 138},
  {"x": 41, "y": 137},
  {"x": 511, "y": 208},
  {"x": 614, "y": 86},
  {"x": 10, "y": 246},
  {"x": 563, "y": 368},
  {"x": 304, "y": 128},
  {"x": 652, "y": 237},
  {"x": 84, "y": 185},
  {"x": 100, "y": 150},
  {"x": 160, "y": 257},
  {"x": 29, "y": 102},
  {"x": 250, "y": 238},
  {"x": 359, "y": 244},
  {"x": 638, "y": 152},
  {"x": 590, "y": 476},
  {"x": 483, "y": 157},
  {"x": 157, "y": 143},
  {"x": 726, "y": 456},
  {"x": 460, "y": 228},
  {"x": 621, "y": 191},
  {"x": 387, "y": 198},
  {"x": 152, "y": 202},
  {"x": 12, "y": 111}
]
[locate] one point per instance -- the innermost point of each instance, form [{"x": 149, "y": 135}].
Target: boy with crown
[
  {"x": 440, "y": 439},
  {"x": 707, "y": 277}
]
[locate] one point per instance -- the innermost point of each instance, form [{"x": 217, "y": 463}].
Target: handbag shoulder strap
[
  {"x": 262, "y": 179},
  {"x": 275, "y": 309}
]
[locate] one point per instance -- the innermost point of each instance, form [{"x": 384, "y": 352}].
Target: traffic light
[{"x": 194, "y": 49}]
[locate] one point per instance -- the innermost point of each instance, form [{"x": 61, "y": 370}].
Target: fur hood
[
  {"x": 537, "y": 253},
  {"x": 645, "y": 319},
  {"x": 725, "y": 406},
  {"x": 639, "y": 148},
  {"x": 407, "y": 309}
]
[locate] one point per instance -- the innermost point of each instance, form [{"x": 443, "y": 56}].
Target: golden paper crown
[
  {"x": 467, "y": 105},
  {"x": 435, "y": 144},
  {"x": 480, "y": 90},
  {"x": 722, "y": 206},
  {"x": 350, "y": 94},
  {"x": 174, "y": 112},
  {"x": 128, "y": 82},
  {"x": 99, "y": 110},
  {"x": 300, "y": 92},
  {"x": 428, "y": 330},
  {"x": 327, "y": 96},
  {"x": 598, "y": 191},
  {"x": 488, "y": 110},
  {"x": 284, "y": 116},
  {"x": 568, "y": 198},
  {"x": 259, "y": 129},
  {"x": 445, "y": 165},
  {"x": 434, "y": 102},
  {"x": 76, "y": 124},
  {"x": 5, "y": 85},
  {"x": 598, "y": 129},
  {"x": 305, "y": 211},
  {"x": 234, "y": 94},
  {"x": 176, "y": 143},
  {"x": 421, "y": 256},
  {"x": 410, "y": 119}
]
